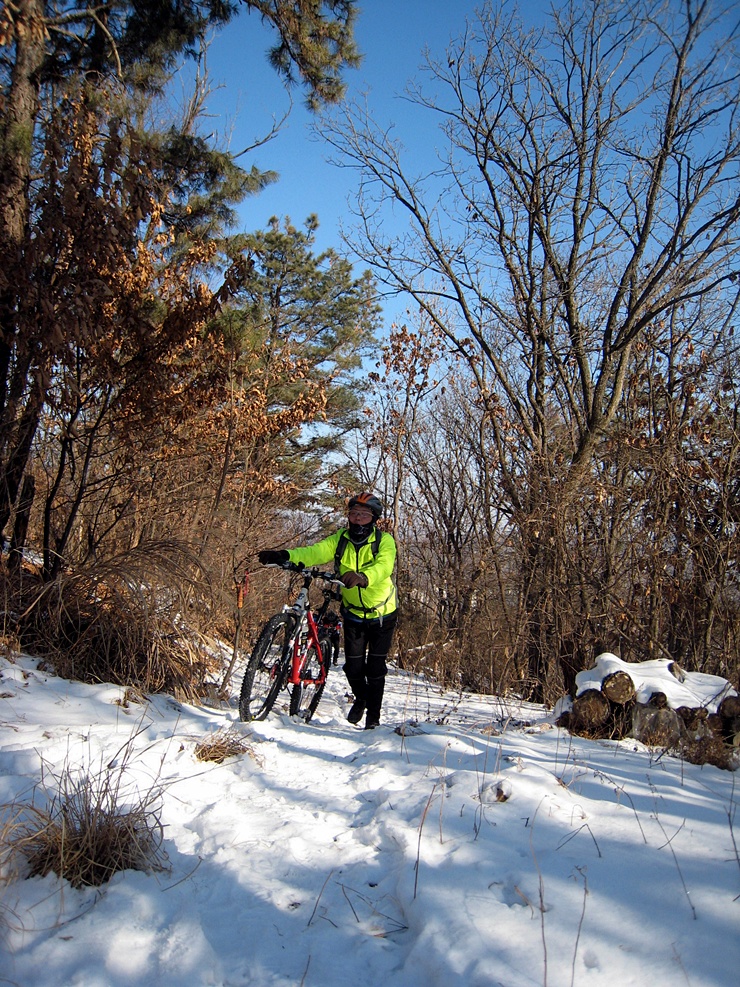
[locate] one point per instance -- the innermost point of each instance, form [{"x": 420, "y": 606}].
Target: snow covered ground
[{"x": 483, "y": 847}]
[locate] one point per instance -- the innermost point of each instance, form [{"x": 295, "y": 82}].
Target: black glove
[
  {"x": 280, "y": 557},
  {"x": 351, "y": 579}
]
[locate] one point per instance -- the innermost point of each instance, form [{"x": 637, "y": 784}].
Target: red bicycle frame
[{"x": 300, "y": 652}]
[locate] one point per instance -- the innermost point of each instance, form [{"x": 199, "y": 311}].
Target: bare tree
[{"x": 589, "y": 190}]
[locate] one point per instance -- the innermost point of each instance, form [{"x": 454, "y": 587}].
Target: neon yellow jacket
[{"x": 378, "y": 598}]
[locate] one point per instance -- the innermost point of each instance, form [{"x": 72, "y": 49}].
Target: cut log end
[
  {"x": 618, "y": 688},
  {"x": 590, "y": 712},
  {"x": 729, "y": 708}
]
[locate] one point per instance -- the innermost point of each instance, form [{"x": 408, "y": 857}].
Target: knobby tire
[
  {"x": 268, "y": 668},
  {"x": 305, "y": 698}
]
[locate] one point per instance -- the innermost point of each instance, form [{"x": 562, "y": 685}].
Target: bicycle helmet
[{"x": 369, "y": 501}]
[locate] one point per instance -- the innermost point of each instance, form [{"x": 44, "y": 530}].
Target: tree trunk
[
  {"x": 20, "y": 528},
  {"x": 19, "y": 117},
  {"x": 571, "y": 663},
  {"x": 14, "y": 467},
  {"x": 17, "y": 124}
]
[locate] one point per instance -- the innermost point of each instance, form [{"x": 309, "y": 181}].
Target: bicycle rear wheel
[
  {"x": 305, "y": 698},
  {"x": 268, "y": 668}
]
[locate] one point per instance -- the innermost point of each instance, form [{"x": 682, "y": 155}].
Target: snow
[{"x": 479, "y": 845}]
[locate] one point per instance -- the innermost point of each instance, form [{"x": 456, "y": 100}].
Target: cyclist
[{"x": 364, "y": 558}]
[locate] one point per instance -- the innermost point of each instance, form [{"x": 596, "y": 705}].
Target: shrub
[
  {"x": 121, "y": 621},
  {"x": 89, "y": 829},
  {"x": 222, "y": 745}
]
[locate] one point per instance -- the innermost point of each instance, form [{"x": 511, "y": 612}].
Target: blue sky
[{"x": 392, "y": 36}]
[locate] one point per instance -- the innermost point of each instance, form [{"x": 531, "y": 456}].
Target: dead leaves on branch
[
  {"x": 99, "y": 268},
  {"x": 150, "y": 417}
]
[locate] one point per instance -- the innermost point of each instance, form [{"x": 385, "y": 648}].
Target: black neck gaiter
[{"x": 359, "y": 533}]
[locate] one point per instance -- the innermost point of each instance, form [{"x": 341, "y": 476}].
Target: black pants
[{"x": 366, "y": 647}]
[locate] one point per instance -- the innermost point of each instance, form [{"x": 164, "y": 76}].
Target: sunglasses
[{"x": 360, "y": 514}]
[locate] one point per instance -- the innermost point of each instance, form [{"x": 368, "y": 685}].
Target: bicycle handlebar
[{"x": 310, "y": 572}]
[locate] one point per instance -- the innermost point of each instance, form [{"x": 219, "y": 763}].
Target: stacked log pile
[{"x": 658, "y": 704}]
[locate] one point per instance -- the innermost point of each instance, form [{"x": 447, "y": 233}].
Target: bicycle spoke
[{"x": 267, "y": 669}]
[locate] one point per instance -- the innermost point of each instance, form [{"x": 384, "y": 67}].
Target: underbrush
[
  {"x": 132, "y": 620},
  {"x": 709, "y": 750},
  {"x": 84, "y": 826}
]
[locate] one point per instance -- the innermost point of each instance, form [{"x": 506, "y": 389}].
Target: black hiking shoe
[
  {"x": 355, "y": 713},
  {"x": 371, "y": 723}
]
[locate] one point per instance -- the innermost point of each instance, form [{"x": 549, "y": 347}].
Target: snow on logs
[{"x": 656, "y": 702}]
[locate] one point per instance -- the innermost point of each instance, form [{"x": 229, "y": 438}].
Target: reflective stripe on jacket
[{"x": 378, "y": 598}]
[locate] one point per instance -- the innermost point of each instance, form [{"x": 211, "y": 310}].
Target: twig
[
  {"x": 442, "y": 800},
  {"x": 669, "y": 844},
  {"x": 418, "y": 845},
  {"x": 730, "y": 813},
  {"x": 396, "y": 925},
  {"x": 542, "y": 924},
  {"x": 344, "y": 892},
  {"x": 313, "y": 913},
  {"x": 580, "y": 926},
  {"x": 618, "y": 791},
  {"x": 481, "y": 780},
  {"x": 567, "y": 839},
  {"x": 669, "y": 840},
  {"x": 679, "y": 961},
  {"x": 541, "y": 886},
  {"x": 524, "y": 898},
  {"x": 185, "y": 878}
]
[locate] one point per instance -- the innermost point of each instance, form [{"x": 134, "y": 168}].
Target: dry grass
[
  {"x": 709, "y": 750},
  {"x": 10, "y": 646},
  {"x": 124, "y": 621},
  {"x": 88, "y": 828},
  {"x": 224, "y": 744},
  {"x": 131, "y": 696}
]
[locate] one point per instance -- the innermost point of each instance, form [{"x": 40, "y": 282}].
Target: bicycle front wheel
[
  {"x": 305, "y": 698},
  {"x": 268, "y": 668}
]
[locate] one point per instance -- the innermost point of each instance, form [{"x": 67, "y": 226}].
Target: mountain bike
[{"x": 293, "y": 650}]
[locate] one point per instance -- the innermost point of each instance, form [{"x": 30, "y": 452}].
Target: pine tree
[{"x": 298, "y": 309}]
